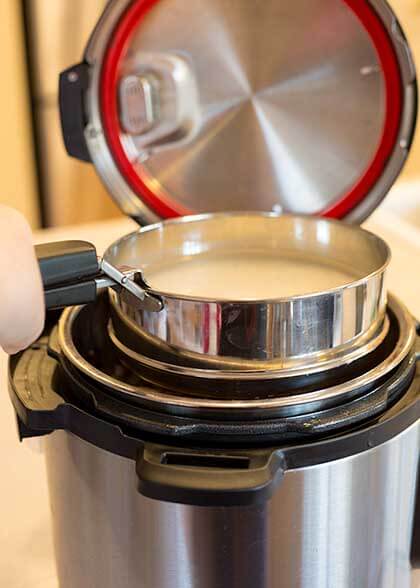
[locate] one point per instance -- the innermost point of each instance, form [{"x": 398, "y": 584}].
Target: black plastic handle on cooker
[
  {"x": 68, "y": 271},
  {"x": 415, "y": 536},
  {"x": 208, "y": 478}
]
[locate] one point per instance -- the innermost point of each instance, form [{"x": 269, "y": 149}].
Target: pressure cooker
[{"x": 200, "y": 440}]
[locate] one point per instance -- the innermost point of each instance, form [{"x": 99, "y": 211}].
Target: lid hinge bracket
[{"x": 73, "y": 84}]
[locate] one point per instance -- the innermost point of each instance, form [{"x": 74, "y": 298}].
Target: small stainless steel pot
[{"x": 314, "y": 324}]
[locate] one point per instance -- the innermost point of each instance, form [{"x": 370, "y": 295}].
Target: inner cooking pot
[{"x": 240, "y": 287}]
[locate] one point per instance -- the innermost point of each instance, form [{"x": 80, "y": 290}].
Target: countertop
[{"x": 26, "y": 555}]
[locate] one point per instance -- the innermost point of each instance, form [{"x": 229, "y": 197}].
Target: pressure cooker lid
[{"x": 211, "y": 105}]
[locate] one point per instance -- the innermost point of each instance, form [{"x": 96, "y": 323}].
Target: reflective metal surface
[
  {"x": 290, "y": 404},
  {"x": 284, "y": 106},
  {"x": 343, "y": 524},
  {"x": 247, "y": 329},
  {"x": 137, "y": 344},
  {"x": 125, "y": 281}
]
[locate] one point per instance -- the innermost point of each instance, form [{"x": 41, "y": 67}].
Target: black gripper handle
[{"x": 68, "y": 271}]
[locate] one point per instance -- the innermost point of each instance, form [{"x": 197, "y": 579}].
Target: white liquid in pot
[{"x": 240, "y": 277}]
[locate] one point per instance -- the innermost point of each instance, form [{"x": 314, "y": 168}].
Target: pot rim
[
  {"x": 386, "y": 256},
  {"x": 149, "y": 394}
]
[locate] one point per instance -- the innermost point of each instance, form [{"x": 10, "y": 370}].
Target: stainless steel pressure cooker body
[
  {"x": 150, "y": 487},
  {"x": 323, "y": 527},
  {"x": 199, "y": 441}
]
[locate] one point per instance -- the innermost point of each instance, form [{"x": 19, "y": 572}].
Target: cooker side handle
[
  {"x": 208, "y": 478},
  {"x": 415, "y": 537}
]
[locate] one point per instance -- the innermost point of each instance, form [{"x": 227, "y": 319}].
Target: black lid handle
[
  {"x": 73, "y": 85},
  {"x": 207, "y": 478}
]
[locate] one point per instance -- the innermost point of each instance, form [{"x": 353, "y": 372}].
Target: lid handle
[{"x": 73, "y": 84}]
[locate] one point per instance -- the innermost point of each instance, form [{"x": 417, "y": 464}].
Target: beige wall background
[
  {"x": 408, "y": 12},
  {"x": 18, "y": 187},
  {"x": 59, "y": 30},
  {"x": 80, "y": 197}
]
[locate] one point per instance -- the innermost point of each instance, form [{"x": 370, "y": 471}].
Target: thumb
[{"x": 22, "y": 308}]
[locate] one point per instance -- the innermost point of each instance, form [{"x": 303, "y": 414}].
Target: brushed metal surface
[
  {"x": 277, "y": 83},
  {"x": 291, "y": 105},
  {"x": 249, "y": 329},
  {"x": 344, "y": 524}
]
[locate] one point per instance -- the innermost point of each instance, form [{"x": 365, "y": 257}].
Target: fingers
[{"x": 22, "y": 308}]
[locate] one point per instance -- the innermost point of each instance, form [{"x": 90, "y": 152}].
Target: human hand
[{"x": 22, "y": 308}]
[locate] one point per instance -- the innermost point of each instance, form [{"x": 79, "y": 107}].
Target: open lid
[{"x": 208, "y": 105}]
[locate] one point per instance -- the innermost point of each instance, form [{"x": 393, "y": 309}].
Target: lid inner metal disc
[{"x": 212, "y": 105}]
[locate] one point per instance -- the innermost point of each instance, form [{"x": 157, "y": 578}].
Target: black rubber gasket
[{"x": 48, "y": 396}]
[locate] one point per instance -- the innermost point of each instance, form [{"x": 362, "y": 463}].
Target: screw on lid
[{"x": 304, "y": 107}]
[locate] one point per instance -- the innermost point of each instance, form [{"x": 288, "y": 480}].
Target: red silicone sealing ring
[{"x": 165, "y": 206}]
